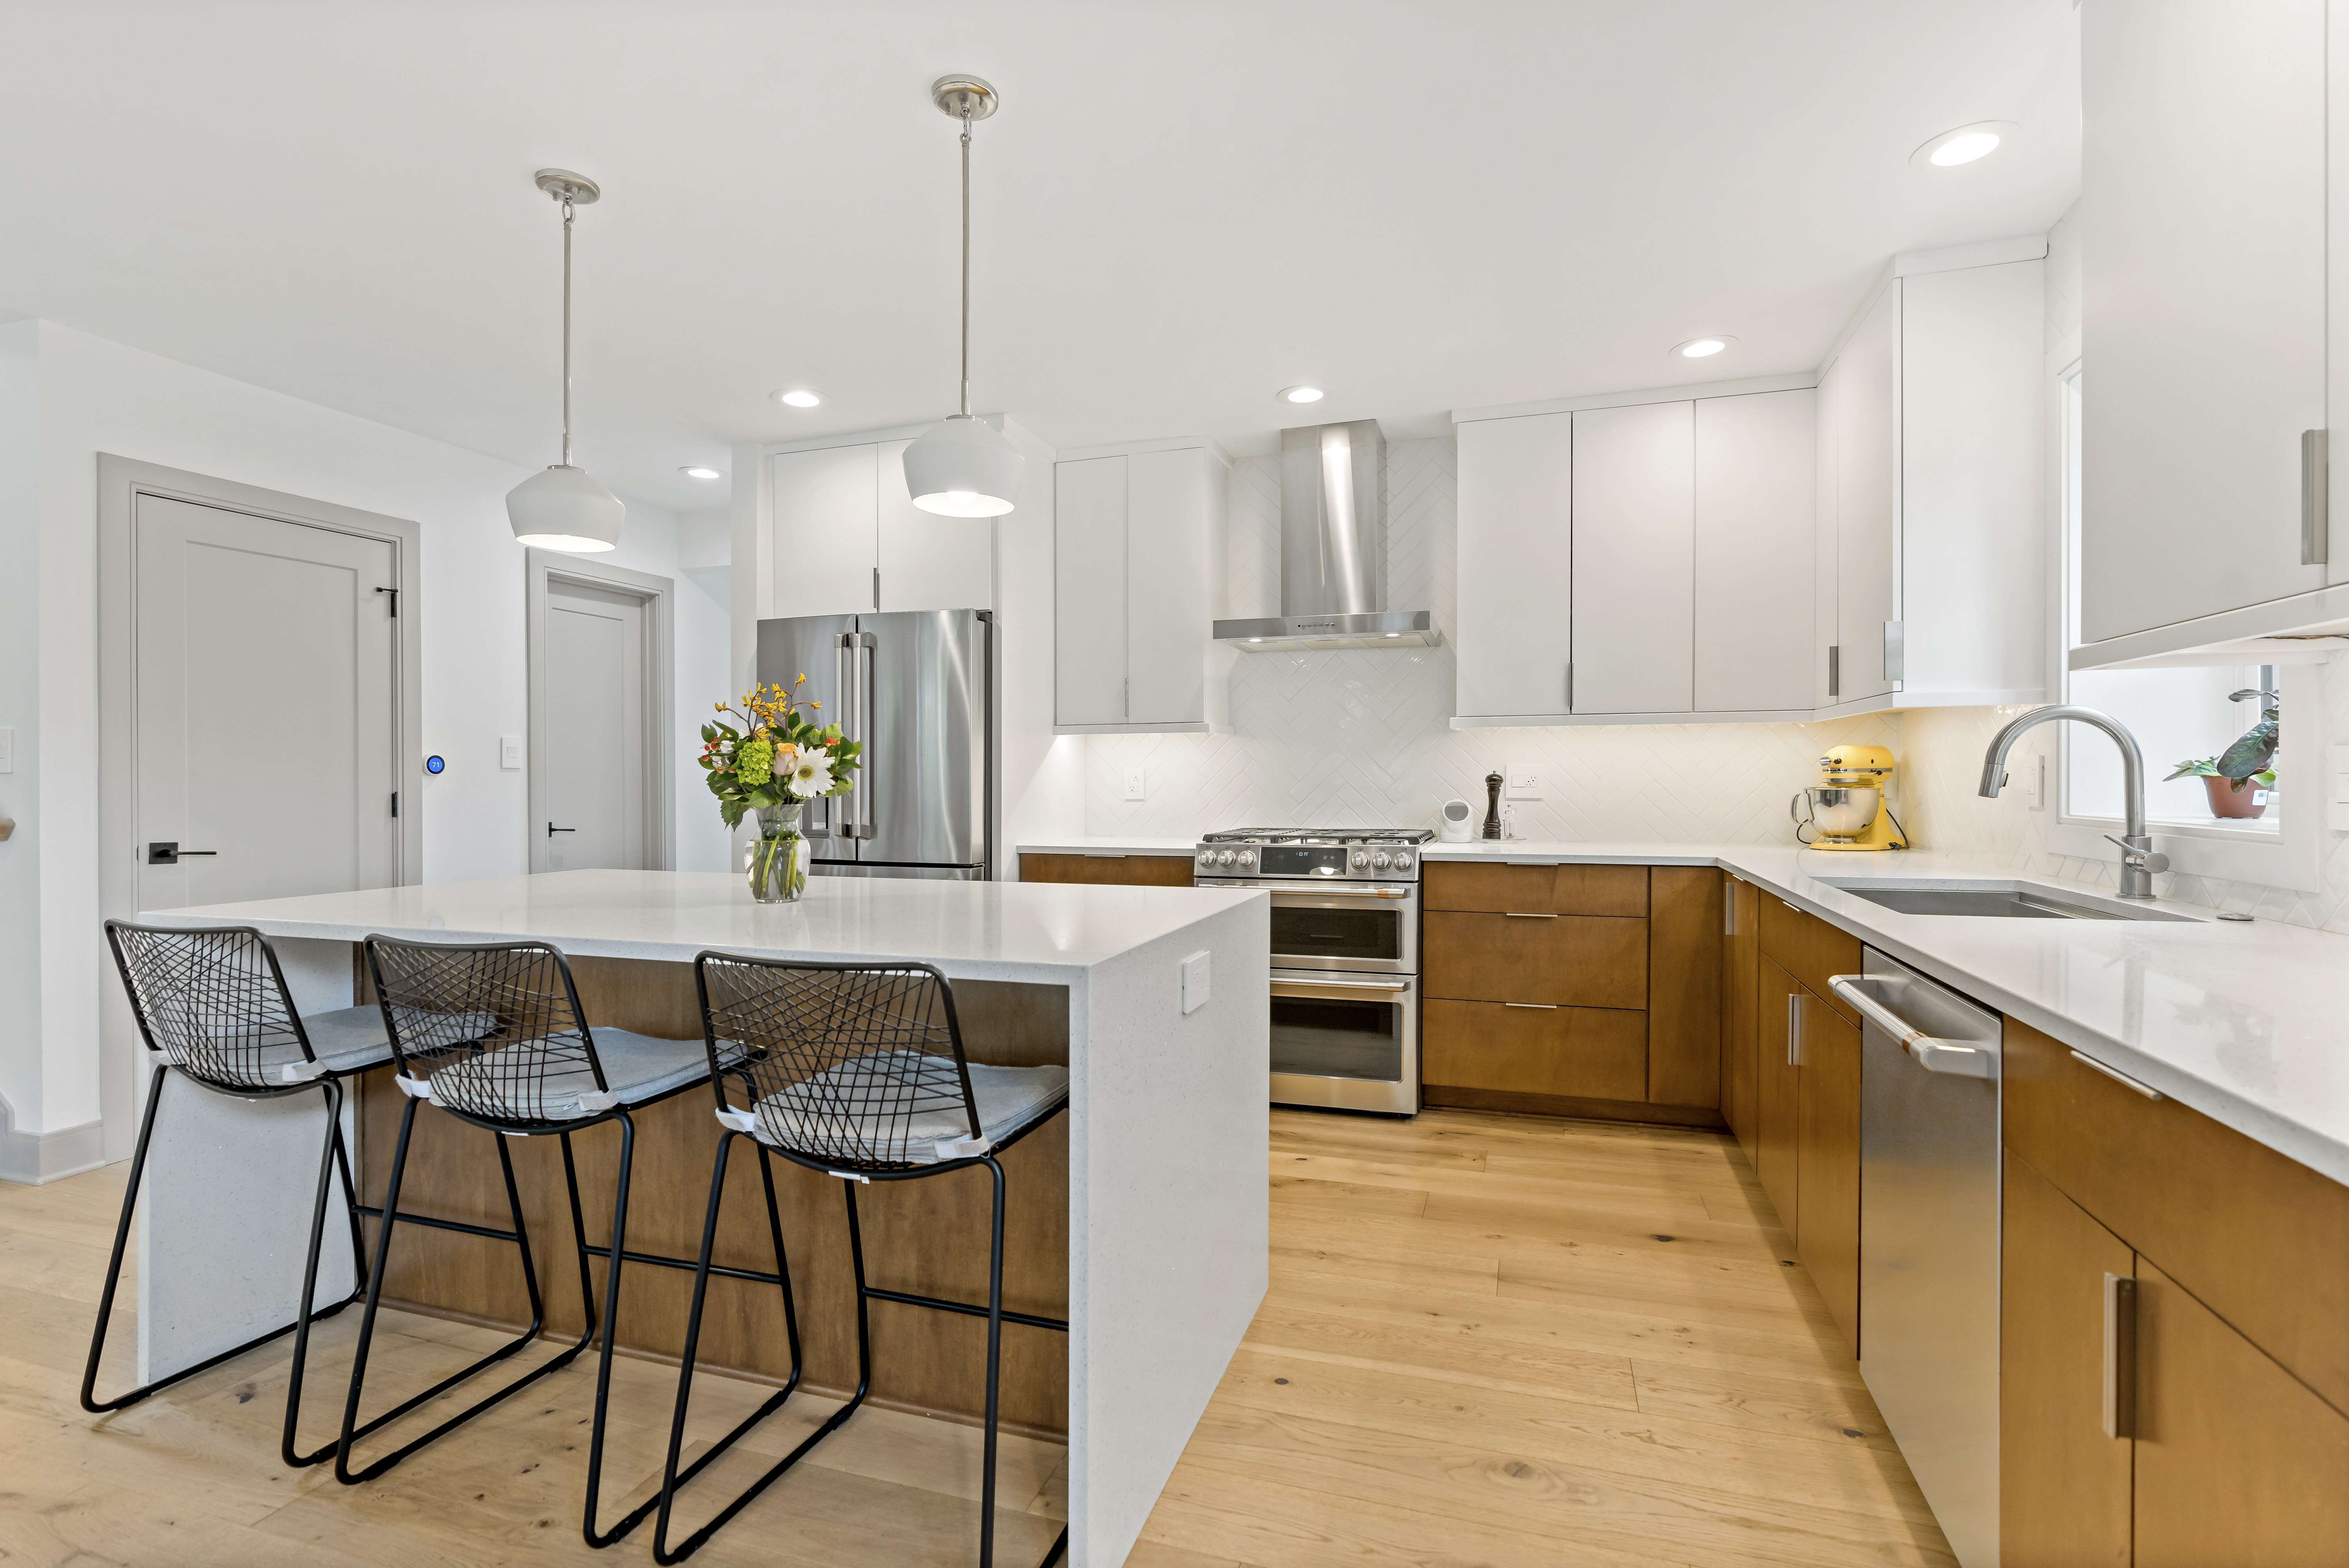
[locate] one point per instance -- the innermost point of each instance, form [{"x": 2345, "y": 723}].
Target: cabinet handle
[
  {"x": 1835, "y": 669},
  {"x": 1534, "y": 1006},
  {"x": 1570, "y": 686},
  {"x": 2120, "y": 1357},
  {"x": 1793, "y": 1029},
  {"x": 2315, "y": 497},
  {"x": 2123, "y": 1079},
  {"x": 1896, "y": 652},
  {"x": 1729, "y": 906},
  {"x": 1514, "y": 915}
]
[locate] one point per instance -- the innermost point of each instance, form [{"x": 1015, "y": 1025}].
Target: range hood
[{"x": 1333, "y": 549}]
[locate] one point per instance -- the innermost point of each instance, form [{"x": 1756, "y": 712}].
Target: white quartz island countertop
[
  {"x": 1160, "y": 1293},
  {"x": 2245, "y": 1022}
]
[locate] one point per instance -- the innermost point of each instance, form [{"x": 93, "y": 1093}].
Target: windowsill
[{"x": 2253, "y": 830}]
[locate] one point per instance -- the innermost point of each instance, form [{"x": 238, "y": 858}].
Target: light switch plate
[
  {"x": 1137, "y": 785},
  {"x": 1193, "y": 982},
  {"x": 2034, "y": 782},
  {"x": 1524, "y": 781},
  {"x": 2336, "y": 793},
  {"x": 509, "y": 750},
  {"x": 7, "y": 750}
]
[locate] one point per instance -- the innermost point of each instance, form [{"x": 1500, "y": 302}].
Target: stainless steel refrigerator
[{"x": 917, "y": 688}]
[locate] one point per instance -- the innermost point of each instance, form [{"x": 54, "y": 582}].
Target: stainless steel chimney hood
[{"x": 1333, "y": 549}]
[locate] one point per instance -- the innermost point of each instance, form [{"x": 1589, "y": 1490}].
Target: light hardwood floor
[{"x": 1490, "y": 1340}]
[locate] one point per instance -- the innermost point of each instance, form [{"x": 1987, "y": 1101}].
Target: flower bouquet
[{"x": 770, "y": 756}]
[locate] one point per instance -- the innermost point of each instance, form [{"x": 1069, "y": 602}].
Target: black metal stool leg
[
  {"x": 672, "y": 1479},
  {"x": 611, "y": 1334},
  {"x": 328, "y": 1157},
  {"x": 994, "y": 1369}
]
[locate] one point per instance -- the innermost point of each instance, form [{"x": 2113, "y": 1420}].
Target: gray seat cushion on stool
[
  {"x": 816, "y": 1115},
  {"x": 346, "y": 1040},
  {"x": 637, "y": 1068}
]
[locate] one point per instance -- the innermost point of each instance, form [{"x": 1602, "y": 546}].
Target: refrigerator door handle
[
  {"x": 835, "y": 819},
  {"x": 867, "y": 656}
]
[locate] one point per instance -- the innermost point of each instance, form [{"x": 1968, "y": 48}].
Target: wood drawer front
[
  {"x": 1538, "y": 889},
  {"x": 1123, "y": 870},
  {"x": 1572, "y": 961},
  {"x": 1597, "y": 1052},
  {"x": 1809, "y": 949},
  {"x": 2261, "y": 1239}
]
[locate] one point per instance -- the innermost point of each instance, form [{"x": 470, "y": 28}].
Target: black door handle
[
  {"x": 551, "y": 830},
  {"x": 166, "y": 852}
]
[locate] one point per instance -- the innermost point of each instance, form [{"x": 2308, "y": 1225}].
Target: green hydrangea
[{"x": 754, "y": 762}]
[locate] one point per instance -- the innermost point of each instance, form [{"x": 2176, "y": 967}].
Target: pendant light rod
[
  {"x": 570, "y": 190},
  {"x": 966, "y": 258}
]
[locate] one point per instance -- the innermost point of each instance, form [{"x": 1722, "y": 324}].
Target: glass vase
[{"x": 777, "y": 859}]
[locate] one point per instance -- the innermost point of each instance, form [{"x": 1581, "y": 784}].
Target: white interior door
[
  {"x": 826, "y": 517},
  {"x": 1516, "y": 566},
  {"x": 1089, "y": 591},
  {"x": 929, "y": 562},
  {"x": 1756, "y": 507},
  {"x": 592, "y": 772},
  {"x": 1634, "y": 541},
  {"x": 267, "y": 715}
]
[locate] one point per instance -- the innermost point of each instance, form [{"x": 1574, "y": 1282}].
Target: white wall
[{"x": 94, "y": 396}]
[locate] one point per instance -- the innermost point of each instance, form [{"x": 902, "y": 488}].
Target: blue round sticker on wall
[{"x": 434, "y": 764}]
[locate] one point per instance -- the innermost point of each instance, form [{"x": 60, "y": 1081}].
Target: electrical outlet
[
  {"x": 1191, "y": 983},
  {"x": 1524, "y": 781},
  {"x": 1137, "y": 786},
  {"x": 509, "y": 750},
  {"x": 7, "y": 750},
  {"x": 2034, "y": 782}
]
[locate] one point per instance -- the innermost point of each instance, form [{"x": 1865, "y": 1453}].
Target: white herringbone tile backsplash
[{"x": 1362, "y": 739}]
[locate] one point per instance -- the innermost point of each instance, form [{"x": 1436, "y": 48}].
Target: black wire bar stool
[
  {"x": 545, "y": 1071},
  {"x": 856, "y": 1071},
  {"x": 212, "y": 1007}
]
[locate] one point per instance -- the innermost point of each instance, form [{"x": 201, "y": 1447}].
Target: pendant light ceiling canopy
[
  {"x": 962, "y": 466},
  {"x": 563, "y": 508}
]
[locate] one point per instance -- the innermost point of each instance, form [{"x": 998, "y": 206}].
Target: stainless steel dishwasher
[{"x": 1929, "y": 1231}]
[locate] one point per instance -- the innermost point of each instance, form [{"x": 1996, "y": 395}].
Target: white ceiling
[{"x": 1419, "y": 204}]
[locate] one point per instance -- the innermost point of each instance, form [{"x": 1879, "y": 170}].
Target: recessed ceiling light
[
  {"x": 798, "y": 398},
  {"x": 1966, "y": 144},
  {"x": 1300, "y": 394},
  {"x": 1703, "y": 347},
  {"x": 697, "y": 471}
]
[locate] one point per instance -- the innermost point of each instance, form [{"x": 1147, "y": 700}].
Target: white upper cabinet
[
  {"x": 848, "y": 538},
  {"x": 1867, "y": 499},
  {"x": 1137, "y": 584},
  {"x": 1755, "y": 510},
  {"x": 2203, "y": 310},
  {"x": 1516, "y": 503},
  {"x": 825, "y": 521},
  {"x": 929, "y": 562},
  {"x": 1634, "y": 572}
]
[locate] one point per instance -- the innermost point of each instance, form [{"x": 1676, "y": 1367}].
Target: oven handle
[
  {"x": 1296, "y": 986},
  {"x": 1334, "y": 889}
]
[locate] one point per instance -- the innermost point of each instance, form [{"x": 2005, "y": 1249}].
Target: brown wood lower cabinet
[
  {"x": 1778, "y": 1104},
  {"x": 1125, "y": 870},
  {"x": 1827, "y": 1160},
  {"x": 1741, "y": 978},
  {"x": 1568, "y": 960},
  {"x": 1587, "y": 1053}
]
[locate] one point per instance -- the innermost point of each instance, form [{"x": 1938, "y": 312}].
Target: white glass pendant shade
[
  {"x": 561, "y": 508},
  {"x": 964, "y": 467}
]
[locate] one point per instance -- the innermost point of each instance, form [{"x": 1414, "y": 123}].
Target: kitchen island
[{"x": 1140, "y": 1216}]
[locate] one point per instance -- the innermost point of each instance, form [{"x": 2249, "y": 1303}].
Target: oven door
[
  {"x": 1347, "y": 1043},
  {"x": 1351, "y": 929}
]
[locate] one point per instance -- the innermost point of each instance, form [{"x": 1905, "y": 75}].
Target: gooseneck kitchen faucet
[{"x": 2138, "y": 862}]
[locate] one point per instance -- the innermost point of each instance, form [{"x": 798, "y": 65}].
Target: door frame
[
  {"x": 541, "y": 567},
  {"x": 120, "y": 482}
]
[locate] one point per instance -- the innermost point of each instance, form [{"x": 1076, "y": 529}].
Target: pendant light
[
  {"x": 962, "y": 466},
  {"x": 563, "y": 508}
]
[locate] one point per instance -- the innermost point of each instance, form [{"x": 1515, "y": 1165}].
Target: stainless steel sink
[{"x": 1996, "y": 899}]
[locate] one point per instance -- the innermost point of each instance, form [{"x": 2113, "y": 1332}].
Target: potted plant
[
  {"x": 2238, "y": 778},
  {"x": 772, "y": 758}
]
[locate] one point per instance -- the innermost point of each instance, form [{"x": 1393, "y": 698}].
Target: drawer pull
[
  {"x": 1536, "y": 1006},
  {"x": 1793, "y": 1029},
  {"x": 2123, "y": 1079},
  {"x": 2120, "y": 1357},
  {"x": 1514, "y": 915}
]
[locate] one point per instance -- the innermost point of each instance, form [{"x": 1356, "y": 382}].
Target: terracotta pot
[{"x": 2227, "y": 801}]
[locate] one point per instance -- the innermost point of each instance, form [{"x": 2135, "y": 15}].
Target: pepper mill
[{"x": 1493, "y": 806}]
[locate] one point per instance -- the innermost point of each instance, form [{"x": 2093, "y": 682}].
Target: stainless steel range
[{"x": 1345, "y": 958}]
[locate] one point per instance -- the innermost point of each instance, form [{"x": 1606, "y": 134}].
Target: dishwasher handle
[{"x": 1955, "y": 1057}]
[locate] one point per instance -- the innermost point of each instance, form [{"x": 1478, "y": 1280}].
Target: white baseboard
[{"x": 32, "y": 1158}]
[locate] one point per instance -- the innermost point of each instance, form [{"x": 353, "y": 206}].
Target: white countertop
[
  {"x": 2248, "y": 1023},
  {"x": 973, "y": 930}
]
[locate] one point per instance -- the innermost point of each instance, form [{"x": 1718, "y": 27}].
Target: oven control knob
[
  {"x": 1223, "y": 857},
  {"x": 1381, "y": 859},
  {"x": 1206, "y": 857},
  {"x": 1361, "y": 858},
  {"x": 1402, "y": 860},
  {"x": 1247, "y": 856}
]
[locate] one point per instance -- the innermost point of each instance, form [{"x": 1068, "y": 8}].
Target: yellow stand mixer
[{"x": 1846, "y": 809}]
